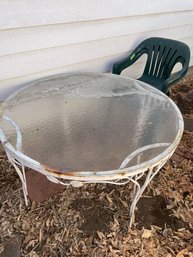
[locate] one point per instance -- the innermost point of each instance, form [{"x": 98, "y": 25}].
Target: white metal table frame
[{"x": 120, "y": 176}]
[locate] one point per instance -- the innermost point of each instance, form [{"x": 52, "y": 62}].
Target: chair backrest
[{"x": 163, "y": 54}]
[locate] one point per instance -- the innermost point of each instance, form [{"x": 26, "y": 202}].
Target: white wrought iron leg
[
  {"x": 136, "y": 178},
  {"x": 135, "y": 193},
  {"x": 138, "y": 190},
  {"x": 21, "y": 174},
  {"x": 138, "y": 193},
  {"x": 134, "y": 187},
  {"x": 24, "y": 186}
]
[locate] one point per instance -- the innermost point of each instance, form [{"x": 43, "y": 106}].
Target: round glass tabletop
[{"x": 90, "y": 122}]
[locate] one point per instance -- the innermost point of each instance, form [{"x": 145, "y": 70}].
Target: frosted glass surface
[{"x": 89, "y": 121}]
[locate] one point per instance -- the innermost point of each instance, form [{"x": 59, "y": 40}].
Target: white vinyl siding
[{"x": 40, "y": 38}]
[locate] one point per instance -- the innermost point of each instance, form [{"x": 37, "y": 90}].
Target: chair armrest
[
  {"x": 129, "y": 60},
  {"x": 175, "y": 77}
]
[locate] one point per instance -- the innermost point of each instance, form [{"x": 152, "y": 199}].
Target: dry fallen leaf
[
  {"x": 109, "y": 199},
  {"x": 169, "y": 255},
  {"x": 33, "y": 254},
  {"x": 183, "y": 253},
  {"x": 100, "y": 235},
  {"x": 146, "y": 233}
]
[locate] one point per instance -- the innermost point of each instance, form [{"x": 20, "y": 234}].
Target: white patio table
[{"x": 90, "y": 128}]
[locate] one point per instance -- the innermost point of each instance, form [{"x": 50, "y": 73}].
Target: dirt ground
[{"x": 93, "y": 220}]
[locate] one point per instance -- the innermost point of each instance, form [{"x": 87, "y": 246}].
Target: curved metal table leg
[{"x": 138, "y": 189}]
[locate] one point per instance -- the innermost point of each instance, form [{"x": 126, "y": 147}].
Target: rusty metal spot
[
  {"x": 58, "y": 172},
  {"x": 123, "y": 173}
]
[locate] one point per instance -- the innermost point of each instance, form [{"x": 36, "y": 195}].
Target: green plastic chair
[{"x": 162, "y": 55}]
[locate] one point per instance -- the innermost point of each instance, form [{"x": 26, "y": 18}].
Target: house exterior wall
[{"x": 41, "y": 38}]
